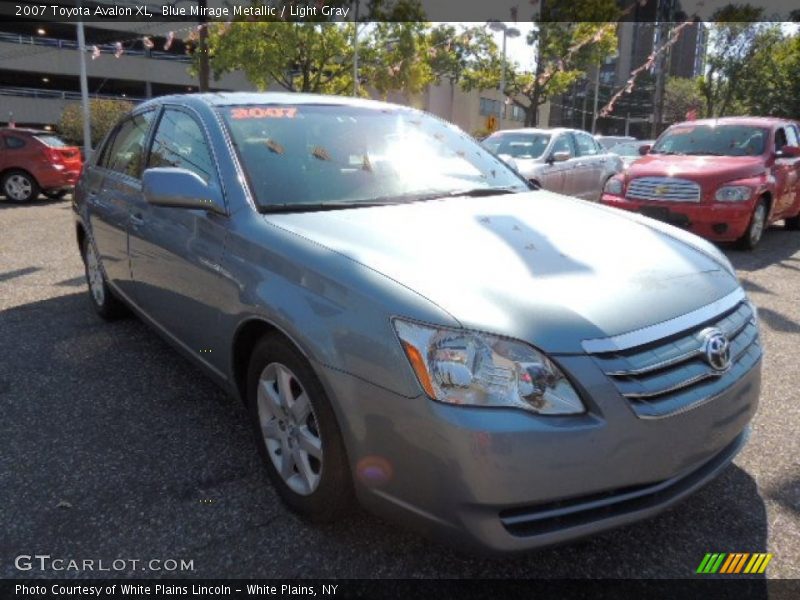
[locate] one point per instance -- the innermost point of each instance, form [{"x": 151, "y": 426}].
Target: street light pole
[
  {"x": 596, "y": 94},
  {"x": 355, "y": 48},
  {"x": 87, "y": 131},
  {"x": 507, "y": 32}
]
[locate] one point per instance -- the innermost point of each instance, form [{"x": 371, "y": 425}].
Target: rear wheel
[
  {"x": 19, "y": 186},
  {"x": 297, "y": 433},
  {"x": 107, "y": 305},
  {"x": 758, "y": 223}
]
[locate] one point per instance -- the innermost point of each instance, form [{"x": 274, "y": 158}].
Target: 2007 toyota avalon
[{"x": 411, "y": 326}]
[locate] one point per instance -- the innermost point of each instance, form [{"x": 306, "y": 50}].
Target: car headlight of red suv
[
  {"x": 733, "y": 193},
  {"x": 614, "y": 186}
]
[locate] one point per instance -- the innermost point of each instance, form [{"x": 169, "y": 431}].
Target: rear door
[
  {"x": 176, "y": 253},
  {"x": 118, "y": 185}
]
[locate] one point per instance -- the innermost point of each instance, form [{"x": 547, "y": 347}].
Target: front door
[{"x": 176, "y": 253}]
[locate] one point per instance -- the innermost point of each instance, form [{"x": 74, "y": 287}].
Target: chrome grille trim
[
  {"x": 652, "y": 333},
  {"x": 663, "y": 188},
  {"x": 672, "y": 375}
]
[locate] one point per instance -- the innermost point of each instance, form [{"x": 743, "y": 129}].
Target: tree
[
  {"x": 103, "y": 115},
  {"x": 729, "y": 60},
  {"x": 569, "y": 40},
  {"x": 770, "y": 85},
  {"x": 680, "y": 96}
]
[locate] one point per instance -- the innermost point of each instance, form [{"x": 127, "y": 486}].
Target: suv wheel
[
  {"x": 107, "y": 305},
  {"x": 758, "y": 223},
  {"x": 19, "y": 186},
  {"x": 297, "y": 433}
]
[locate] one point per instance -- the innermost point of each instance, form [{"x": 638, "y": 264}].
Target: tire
[
  {"x": 756, "y": 227},
  {"x": 315, "y": 482},
  {"x": 105, "y": 303},
  {"x": 792, "y": 223},
  {"x": 55, "y": 194},
  {"x": 19, "y": 186}
]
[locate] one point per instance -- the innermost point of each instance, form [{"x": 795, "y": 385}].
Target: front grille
[
  {"x": 672, "y": 375},
  {"x": 663, "y": 188}
]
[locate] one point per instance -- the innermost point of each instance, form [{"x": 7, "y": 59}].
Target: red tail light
[{"x": 53, "y": 155}]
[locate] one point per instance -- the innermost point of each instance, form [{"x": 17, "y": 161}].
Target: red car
[
  {"x": 724, "y": 179},
  {"x": 36, "y": 161}
]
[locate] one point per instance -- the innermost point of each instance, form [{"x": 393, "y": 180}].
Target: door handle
[{"x": 137, "y": 220}]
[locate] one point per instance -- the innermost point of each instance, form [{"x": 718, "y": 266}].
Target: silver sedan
[{"x": 566, "y": 161}]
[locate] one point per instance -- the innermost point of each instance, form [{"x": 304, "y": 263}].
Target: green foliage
[
  {"x": 103, "y": 115},
  {"x": 680, "y": 96}
]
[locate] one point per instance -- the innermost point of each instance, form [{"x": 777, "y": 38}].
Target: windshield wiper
[
  {"x": 299, "y": 207},
  {"x": 704, "y": 153},
  {"x": 478, "y": 192},
  {"x": 667, "y": 153}
]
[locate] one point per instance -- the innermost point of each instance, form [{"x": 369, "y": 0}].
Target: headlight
[
  {"x": 457, "y": 366},
  {"x": 614, "y": 186},
  {"x": 733, "y": 193}
]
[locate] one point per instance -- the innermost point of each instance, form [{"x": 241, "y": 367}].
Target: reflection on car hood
[
  {"x": 536, "y": 266},
  {"x": 711, "y": 169}
]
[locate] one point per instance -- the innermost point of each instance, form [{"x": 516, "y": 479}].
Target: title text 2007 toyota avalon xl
[{"x": 413, "y": 327}]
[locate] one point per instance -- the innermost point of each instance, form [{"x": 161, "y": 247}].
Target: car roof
[
  {"x": 287, "y": 98},
  {"x": 754, "y": 121},
  {"x": 547, "y": 130},
  {"x": 27, "y": 131}
]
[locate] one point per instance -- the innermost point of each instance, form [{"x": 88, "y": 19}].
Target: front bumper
[
  {"x": 718, "y": 221},
  {"x": 498, "y": 480}
]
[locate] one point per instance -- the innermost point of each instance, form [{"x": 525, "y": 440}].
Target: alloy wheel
[
  {"x": 289, "y": 428},
  {"x": 94, "y": 275},
  {"x": 757, "y": 226},
  {"x": 18, "y": 187}
]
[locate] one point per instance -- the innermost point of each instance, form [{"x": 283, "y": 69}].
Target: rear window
[
  {"x": 51, "y": 140},
  {"x": 518, "y": 145}
]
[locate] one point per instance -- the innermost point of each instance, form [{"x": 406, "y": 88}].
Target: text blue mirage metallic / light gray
[{"x": 412, "y": 326}]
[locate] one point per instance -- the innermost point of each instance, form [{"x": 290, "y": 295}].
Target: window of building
[{"x": 489, "y": 107}]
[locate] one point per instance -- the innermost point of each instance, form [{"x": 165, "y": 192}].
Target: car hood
[
  {"x": 536, "y": 266},
  {"x": 712, "y": 169}
]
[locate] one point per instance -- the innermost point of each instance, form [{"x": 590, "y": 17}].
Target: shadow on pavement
[
  {"x": 778, "y": 246},
  {"x": 116, "y": 446}
]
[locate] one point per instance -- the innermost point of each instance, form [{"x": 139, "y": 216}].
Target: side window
[
  {"x": 563, "y": 143},
  {"x": 780, "y": 139},
  {"x": 179, "y": 142},
  {"x": 104, "y": 152},
  {"x": 791, "y": 136},
  {"x": 586, "y": 144},
  {"x": 127, "y": 152},
  {"x": 14, "y": 143}
]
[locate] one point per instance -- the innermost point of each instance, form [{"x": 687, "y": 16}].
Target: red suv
[
  {"x": 724, "y": 179},
  {"x": 36, "y": 161}
]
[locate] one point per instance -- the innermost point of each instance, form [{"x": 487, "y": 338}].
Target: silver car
[
  {"x": 410, "y": 326},
  {"x": 566, "y": 161}
]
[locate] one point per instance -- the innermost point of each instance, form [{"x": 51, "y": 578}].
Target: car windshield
[
  {"x": 627, "y": 149},
  {"x": 51, "y": 140},
  {"x": 713, "y": 140},
  {"x": 332, "y": 155},
  {"x": 518, "y": 145}
]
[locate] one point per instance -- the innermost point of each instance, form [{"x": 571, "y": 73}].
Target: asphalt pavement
[{"x": 113, "y": 446}]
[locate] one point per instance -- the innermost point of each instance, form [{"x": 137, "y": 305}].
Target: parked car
[
  {"x": 724, "y": 179},
  {"x": 410, "y": 325},
  {"x": 34, "y": 162},
  {"x": 629, "y": 152},
  {"x": 566, "y": 161},
  {"x": 609, "y": 141}
]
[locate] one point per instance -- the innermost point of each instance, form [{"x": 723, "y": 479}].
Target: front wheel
[
  {"x": 297, "y": 432},
  {"x": 19, "y": 186},
  {"x": 758, "y": 223}
]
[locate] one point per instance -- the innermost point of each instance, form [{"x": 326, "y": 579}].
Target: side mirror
[
  {"x": 788, "y": 152},
  {"x": 559, "y": 156},
  {"x": 509, "y": 160},
  {"x": 180, "y": 188},
  {"x": 644, "y": 149}
]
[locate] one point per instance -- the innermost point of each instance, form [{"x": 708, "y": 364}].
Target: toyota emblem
[{"x": 717, "y": 349}]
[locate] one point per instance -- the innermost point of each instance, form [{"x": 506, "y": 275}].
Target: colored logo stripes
[{"x": 735, "y": 562}]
